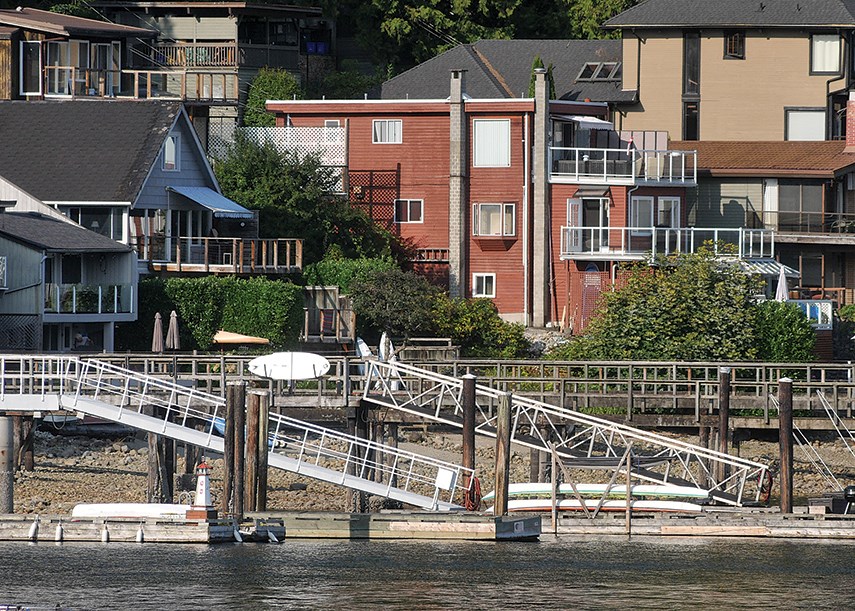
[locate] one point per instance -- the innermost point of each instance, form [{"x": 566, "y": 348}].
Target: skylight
[{"x": 600, "y": 71}]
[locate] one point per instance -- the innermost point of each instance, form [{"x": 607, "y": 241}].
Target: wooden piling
[
  {"x": 7, "y": 465},
  {"x": 229, "y": 449},
  {"x": 159, "y": 488},
  {"x": 239, "y": 415},
  {"x": 723, "y": 418},
  {"x": 503, "y": 454},
  {"x": 28, "y": 461},
  {"x": 252, "y": 441},
  {"x": 469, "y": 421},
  {"x": 392, "y": 442},
  {"x": 263, "y": 433},
  {"x": 785, "y": 438}
]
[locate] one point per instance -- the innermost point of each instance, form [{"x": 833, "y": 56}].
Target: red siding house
[{"x": 530, "y": 202}]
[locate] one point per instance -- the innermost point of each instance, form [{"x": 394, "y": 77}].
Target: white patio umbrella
[
  {"x": 157, "y": 336},
  {"x": 172, "y": 340},
  {"x": 782, "y": 293}
]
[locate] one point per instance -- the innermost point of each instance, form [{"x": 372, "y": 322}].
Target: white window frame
[
  {"x": 410, "y": 202},
  {"x": 381, "y": 134},
  {"x": 641, "y": 206},
  {"x": 674, "y": 202},
  {"x": 508, "y": 227},
  {"x": 491, "y": 143},
  {"x": 176, "y": 140},
  {"x": 21, "y": 67},
  {"x": 484, "y": 285},
  {"x": 825, "y": 53}
]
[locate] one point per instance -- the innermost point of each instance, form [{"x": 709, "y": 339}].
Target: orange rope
[{"x": 472, "y": 498}]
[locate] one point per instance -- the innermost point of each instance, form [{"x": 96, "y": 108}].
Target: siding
[
  {"x": 728, "y": 203},
  {"x": 196, "y": 29},
  {"x": 8, "y": 75},
  {"x": 23, "y": 270}
]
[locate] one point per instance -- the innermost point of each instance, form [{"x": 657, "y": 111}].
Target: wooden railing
[
  {"x": 196, "y": 55},
  {"x": 222, "y": 255}
]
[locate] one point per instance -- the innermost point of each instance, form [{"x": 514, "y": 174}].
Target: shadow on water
[{"x": 554, "y": 573}]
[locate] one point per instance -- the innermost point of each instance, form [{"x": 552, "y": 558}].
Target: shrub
[
  {"x": 333, "y": 270},
  {"x": 394, "y": 301},
  {"x": 475, "y": 326},
  {"x": 784, "y": 334}
]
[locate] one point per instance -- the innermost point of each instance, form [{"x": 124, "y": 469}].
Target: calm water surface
[{"x": 554, "y": 573}]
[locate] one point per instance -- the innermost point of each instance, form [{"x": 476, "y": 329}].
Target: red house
[{"x": 533, "y": 203}]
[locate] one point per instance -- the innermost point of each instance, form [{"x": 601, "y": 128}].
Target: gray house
[
  {"x": 62, "y": 287},
  {"x": 135, "y": 172}
]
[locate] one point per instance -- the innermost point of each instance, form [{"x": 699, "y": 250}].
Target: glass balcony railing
[
  {"x": 89, "y": 298},
  {"x": 622, "y": 166}
]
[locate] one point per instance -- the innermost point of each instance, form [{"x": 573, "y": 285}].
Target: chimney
[
  {"x": 850, "y": 124},
  {"x": 458, "y": 206}
]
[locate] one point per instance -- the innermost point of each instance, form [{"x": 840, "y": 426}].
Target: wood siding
[
  {"x": 23, "y": 269},
  {"x": 8, "y": 76}
]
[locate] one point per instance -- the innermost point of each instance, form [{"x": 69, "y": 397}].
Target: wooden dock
[
  {"x": 131, "y": 530},
  {"x": 407, "y": 525}
]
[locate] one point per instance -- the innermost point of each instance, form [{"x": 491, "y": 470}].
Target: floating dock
[
  {"x": 133, "y": 530},
  {"x": 406, "y": 525}
]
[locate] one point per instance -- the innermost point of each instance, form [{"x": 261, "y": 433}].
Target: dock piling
[
  {"x": 7, "y": 466},
  {"x": 723, "y": 418},
  {"x": 503, "y": 454},
  {"x": 785, "y": 438}
]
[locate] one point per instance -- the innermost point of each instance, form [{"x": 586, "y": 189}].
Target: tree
[
  {"x": 550, "y": 80},
  {"x": 348, "y": 83},
  {"x": 784, "y": 334},
  {"x": 293, "y": 195},
  {"x": 268, "y": 84},
  {"x": 694, "y": 307},
  {"x": 394, "y": 301}
]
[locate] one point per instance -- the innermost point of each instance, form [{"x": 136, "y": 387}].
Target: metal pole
[
  {"x": 503, "y": 454},
  {"x": 785, "y": 439}
]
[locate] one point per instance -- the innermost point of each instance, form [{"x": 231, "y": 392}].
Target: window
[
  {"x": 691, "y": 64},
  {"x": 170, "y": 154},
  {"x": 799, "y": 205},
  {"x": 494, "y": 219},
  {"x": 691, "y": 121},
  {"x": 824, "y": 54},
  {"x": 806, "y": 124},
  {"x": 734, "y": 44},
  {"x": 483, "y": 285},
  {"x": 409, "y": 210},
  {"x": 387, "y": 131},
  {"x": 641, "y": 214},
  {"x": 603, "y": 71},
  {"x": 31, "y": 68},
  {"x": 492, "y": 139},
  {"x": 668, "y": 212}
]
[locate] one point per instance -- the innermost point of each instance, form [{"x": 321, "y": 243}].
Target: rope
[{"x": 472, "y": 498}]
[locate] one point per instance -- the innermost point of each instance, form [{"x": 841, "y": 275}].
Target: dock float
[
  {"x": 406, "y": 525},
  {"x": 62, "y": 529}
]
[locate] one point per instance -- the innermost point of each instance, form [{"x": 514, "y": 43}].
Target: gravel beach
[{"x": 74, "y": 469}]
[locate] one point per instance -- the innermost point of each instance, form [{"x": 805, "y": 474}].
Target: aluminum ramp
[
  {"x": 184, "y": 414},
  {"x": 576, "y": 436}
]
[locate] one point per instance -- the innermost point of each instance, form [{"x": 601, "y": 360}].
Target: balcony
[
  {"x": 140, "y": 84},
  {"x": 640, "y": 243},
  {"x": 624, "y": 166},
  {"x": 89, "y": 299},
  {"x": 227, "y": 55},
  {"x": 819, "y": 313},
  {"x": 238, "y": 256}
]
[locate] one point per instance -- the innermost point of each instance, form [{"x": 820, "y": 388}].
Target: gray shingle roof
[
  {"x": 502, "y": 69},
  {"x": 54, "y": 235},
  {"x": 69, "y": 25},
  {"x": 732, "y": 13},
  {"x": 82, "y": 150}
]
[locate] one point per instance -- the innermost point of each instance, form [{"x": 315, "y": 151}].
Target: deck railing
[
  {"x": 89, "y": 298},
  {"x": 639, "y": 242},
  {"x": 222, "y": 255},
  {"x": 622, "y": 166}
]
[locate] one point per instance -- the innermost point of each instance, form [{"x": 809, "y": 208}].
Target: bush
[
  {"x": 475, "y": 326},
  {"x": 333, "y": 270},
  {"x": 394, "y": 301},
  {"x": 784, "y": 334}
]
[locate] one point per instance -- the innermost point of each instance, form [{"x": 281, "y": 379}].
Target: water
[{"x": 554, "y": 573}]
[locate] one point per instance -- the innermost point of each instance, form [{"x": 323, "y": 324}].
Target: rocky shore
[{"x": 74, "y": 469}]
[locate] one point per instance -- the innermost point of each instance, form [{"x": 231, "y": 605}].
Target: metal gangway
[
  {"x": 161, "y": 406},
  {"x": 583, "y": 440}
]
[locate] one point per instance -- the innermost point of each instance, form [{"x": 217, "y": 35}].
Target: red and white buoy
[{"x": 203, "y": 486}]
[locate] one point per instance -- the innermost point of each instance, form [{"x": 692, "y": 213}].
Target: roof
[
  {"x": 208, "y": 4},
  {"x": 69, "y": 25},
  {"x": 97, "y": 150},
  {"x": 736, "y": 13},
  {"x": 220, "y": 205},
  {"x": 502, "y": 69},
  {"x": 54, "y": 235},
  {"x": 808, "y": 159}
]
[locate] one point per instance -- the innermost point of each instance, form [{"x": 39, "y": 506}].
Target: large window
[
  {"x": 387, "y": 131},
  {"x": 825, "y": 54},
  {"x": 31, "y": 68},
  {"x": 409, "y": 210},
  {"x": 804, "y": 124},
  {"x": 171, "y": 157},
  {"x": 492, "y": 139},
  {"x": 691, "y": 64},
  {"x": 799, "y": 206},
  {"x": 484, "y": 285},
  {"x": 494, "y": 219},
  {"x": 734, "y": 44}
]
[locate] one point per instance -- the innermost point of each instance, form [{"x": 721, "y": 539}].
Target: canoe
[
  {"x": 537, "y": 489},
  {"x": 535, "y": 505}
]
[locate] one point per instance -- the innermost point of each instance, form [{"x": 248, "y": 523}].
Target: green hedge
[{"x": 260, "y": 307}]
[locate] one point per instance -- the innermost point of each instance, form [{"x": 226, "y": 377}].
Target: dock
[{"x": 407, "y": 525}]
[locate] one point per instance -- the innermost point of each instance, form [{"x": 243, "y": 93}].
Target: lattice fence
[{"x": 20, "y": 332}]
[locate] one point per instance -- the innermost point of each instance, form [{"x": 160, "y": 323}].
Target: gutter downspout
[{"x": 525, "y": 227}]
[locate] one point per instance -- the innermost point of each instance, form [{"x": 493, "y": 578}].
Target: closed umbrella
[
  {"x": 172, "y": 341},
  {"x": 782, "y": 293},
  {"x": 157, "y": 337}
]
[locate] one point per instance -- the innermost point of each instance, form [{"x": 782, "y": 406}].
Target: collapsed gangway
[
  {"x": 581, "y": 439},
  {"x": 103, "y": 390}
]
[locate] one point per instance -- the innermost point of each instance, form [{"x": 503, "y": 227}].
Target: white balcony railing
[
  {"x": 818, "y": 312},
  {"x": 641, "y": 242},
  {"x": 622, "y": 166},
  {"x": 89, "y": 298}
]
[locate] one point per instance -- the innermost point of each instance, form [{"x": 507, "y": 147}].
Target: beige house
[{"x": 744, "y": 71}]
